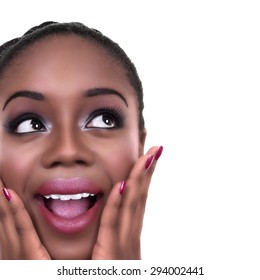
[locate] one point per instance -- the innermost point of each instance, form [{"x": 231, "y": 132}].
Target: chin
[
  {"x": 71, "y": 251},
  {"x": 73, "y": 246}
]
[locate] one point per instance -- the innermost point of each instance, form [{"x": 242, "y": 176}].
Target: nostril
[
  {"x": 81, "y": 162},
  {"x": 55, "y": 164},
  {"x": 76, "y": 162}
]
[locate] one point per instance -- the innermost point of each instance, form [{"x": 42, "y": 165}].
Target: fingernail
[
  {"x": 6, "y": 194},
  {"x": 122, "y": 187},
  {"x": 149, "y": 162},
  {"x": 159, "y": 152}
]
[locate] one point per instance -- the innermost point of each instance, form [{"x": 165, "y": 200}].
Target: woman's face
[{"x": 69, "y": 126}]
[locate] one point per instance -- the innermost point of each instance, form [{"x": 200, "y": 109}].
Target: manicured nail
[
  {"x": 122, "y": 187},
  {"x": 159, "y": 152},
  {"x": 6, "y": 194},
  {"x": 149, "y": 162}
]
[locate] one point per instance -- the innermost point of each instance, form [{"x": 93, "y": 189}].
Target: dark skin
[{"x": 69, "y": 144}]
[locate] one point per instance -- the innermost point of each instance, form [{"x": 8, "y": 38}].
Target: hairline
[{"x": 111, "y": 48}]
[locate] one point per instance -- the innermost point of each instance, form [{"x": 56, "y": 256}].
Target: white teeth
[
  {"x": 68, "y": 196},
  {"x": 76, "y": 196},
  {"x": 65, "y": 197}
]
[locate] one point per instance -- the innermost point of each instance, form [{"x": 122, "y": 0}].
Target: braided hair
[{"x": 10, "y": 49}]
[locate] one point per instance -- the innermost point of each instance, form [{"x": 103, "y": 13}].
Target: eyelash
[
  {"x": 11, "y": 125},
  {"x": 114, "y": 112}
]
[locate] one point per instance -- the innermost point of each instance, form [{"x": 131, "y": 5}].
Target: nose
[{"x": 67, "y": 147}]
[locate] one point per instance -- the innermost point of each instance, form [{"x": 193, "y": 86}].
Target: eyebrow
[
  {"x": 104, "y": 91},
  {"x": 39, "y": 96},
  {"x": 25, "y": 93}
]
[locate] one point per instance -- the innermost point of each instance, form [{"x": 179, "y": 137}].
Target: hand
[
  {"x": 18, "y": 237},
  {"x": 121, "y": 222}
]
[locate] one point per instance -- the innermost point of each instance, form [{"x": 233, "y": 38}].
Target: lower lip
[{"x": 70, "y": 226}]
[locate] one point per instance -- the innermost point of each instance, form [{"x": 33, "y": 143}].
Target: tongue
[{"x": 68, "y": 208}]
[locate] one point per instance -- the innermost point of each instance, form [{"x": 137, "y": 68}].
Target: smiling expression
[{"x": 69, "y": 126}]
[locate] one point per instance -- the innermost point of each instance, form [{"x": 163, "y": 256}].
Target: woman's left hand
[{"x": 122, "y": 219}]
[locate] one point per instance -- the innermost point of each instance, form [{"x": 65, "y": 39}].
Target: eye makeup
[
  {"x": 109, "y": 114},
  {"x": 107, "y": 117},
  {"x": 11, "y": 126}
]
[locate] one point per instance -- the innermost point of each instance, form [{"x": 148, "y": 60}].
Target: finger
[
  {"x": 31, "y": 246},
  {"x": 138, "y": 225},
  {"x": 110, "y": 244},
  {"x": 135, "y": 197},
  {"x": 3, "y": 242},
  {"x": 9, "y": 240},
  {"x": 107, "y": 240},
  {"x": 135, "y": 190},
  {"x": 23, "y": 241}
]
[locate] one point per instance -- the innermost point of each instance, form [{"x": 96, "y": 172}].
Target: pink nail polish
[
  {"x": 122, "y": 187},
  {"x": 159, "y": 152},
  {"x": 6, "y": 194},
  {"x": 149, "y": 162}
]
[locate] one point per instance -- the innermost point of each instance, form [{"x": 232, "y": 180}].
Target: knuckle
[
  {"x": 143, "y": 197},
  {"x": 3, "y": 215},
  {"x": 19, "y": 229},
  {"x": 132, "y": 206},
  {"x": 18, "y": 209}
]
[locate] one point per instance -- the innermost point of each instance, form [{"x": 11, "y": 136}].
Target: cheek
[
  {"x": 16, "y": 165},
  {"x": 120, "y": 157}
]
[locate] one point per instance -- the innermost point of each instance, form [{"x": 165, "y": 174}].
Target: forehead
[{"x": 64, "y": 55}]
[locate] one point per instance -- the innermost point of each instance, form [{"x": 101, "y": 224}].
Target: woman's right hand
[{"x": 18, "y": 237}]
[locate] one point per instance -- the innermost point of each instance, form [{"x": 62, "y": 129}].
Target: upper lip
[{"x": 69, "y": 186}]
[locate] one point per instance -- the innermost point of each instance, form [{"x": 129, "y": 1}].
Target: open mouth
[{"x": 70, "y": 206}]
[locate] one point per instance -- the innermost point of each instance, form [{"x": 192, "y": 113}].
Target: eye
[
  {"x": 106, "y": 118},
  {"x": 26, "y": 123},
  {"x": 30, "y": 125},
  {"x": 102, "y": 121}
]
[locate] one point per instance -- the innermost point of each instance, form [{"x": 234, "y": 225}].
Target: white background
[{"x": 200, "y": 63}]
